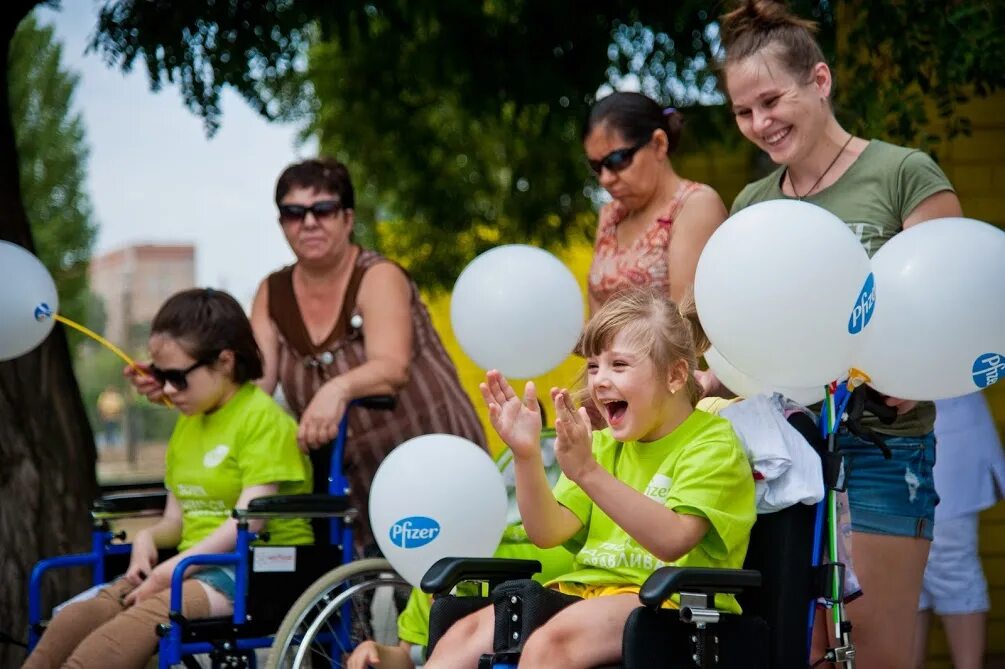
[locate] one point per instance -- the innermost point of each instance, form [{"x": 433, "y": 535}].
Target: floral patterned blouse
[{"x": 642, "y": 264}]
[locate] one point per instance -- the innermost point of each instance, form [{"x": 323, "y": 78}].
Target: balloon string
[{"x": 109, "y": 345}]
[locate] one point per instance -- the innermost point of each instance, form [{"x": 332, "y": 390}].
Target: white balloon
[
  {"x": 28, "y": 299},
  {"x": 517, "y": 309},
  {"x": 436, "y": 496},
  {"x": 783, "y": 288},
  {"x": 744, "y": 385},
  {"x": 939, "y": 330}
]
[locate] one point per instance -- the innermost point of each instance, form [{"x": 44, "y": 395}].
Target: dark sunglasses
[
  {"x": 296, "y": 213},
  {"x": 617, "y": 160},
  {"x": 178, "y": 378}
]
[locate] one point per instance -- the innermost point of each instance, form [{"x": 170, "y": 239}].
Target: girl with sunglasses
[
  {"x": 231, "y": 444},
  {"x": 651, "y": 234}
]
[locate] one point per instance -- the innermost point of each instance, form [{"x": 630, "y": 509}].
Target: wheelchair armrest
[
  {"x": 448, "y": 572},
  {"x": 667, "y": 581},
  {"x": 295, "y": 506},
  {"x": 129, "y": 503},
  {"x": 379, "y": 402}
]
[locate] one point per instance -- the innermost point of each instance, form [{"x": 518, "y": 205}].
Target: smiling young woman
[{"x": 779, "y": 86}]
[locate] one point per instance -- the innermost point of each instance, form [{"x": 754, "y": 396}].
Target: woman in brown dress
[{"x": 343, "y": 323}]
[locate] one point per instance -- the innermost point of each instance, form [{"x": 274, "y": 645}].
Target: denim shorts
[
  {"x": 218, "y": 578},
  {"x": 891, "y": 496}
]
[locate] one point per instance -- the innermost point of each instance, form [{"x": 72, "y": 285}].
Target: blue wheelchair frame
[{"x": 172, "y": 648}]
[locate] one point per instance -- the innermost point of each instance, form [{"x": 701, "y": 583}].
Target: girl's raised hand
[
  {"x": 518, "y": 422},
  {"x": 574, "y": 443}
]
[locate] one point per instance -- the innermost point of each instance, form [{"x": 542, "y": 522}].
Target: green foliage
[
  {"x": 53, "y": 155},
  {"x": 460, "y": 121},
  {"x": 254, "y": 46},
  {"x": 904, "y": 60}
]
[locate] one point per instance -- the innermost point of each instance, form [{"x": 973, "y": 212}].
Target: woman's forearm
[{"x": 374, "y": 377}]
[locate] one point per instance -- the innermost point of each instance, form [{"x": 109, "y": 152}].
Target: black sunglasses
[
  {"x": 296, "y": 213},
  {"x": 616, "y": 160},
  {"x": 178, "y": 378}
]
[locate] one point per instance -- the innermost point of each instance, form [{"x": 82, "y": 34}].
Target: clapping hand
[
  {"x": 518, "y": 422},
  {"x": 574, "y": 445}
]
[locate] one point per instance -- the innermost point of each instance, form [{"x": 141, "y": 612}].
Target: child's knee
[
  {"x": 548, "y": 645},
  {"x": 470, "y": 635}
]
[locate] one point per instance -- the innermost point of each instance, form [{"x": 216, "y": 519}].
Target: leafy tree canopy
[{"x": 461, "y": 121}]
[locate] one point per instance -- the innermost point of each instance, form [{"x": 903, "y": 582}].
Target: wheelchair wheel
[{"x": 351, "y": 603}]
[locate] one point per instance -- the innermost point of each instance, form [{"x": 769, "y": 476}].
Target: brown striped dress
[{"x": 432, "y": 401}]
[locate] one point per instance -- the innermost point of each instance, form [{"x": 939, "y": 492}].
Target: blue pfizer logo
[
  {"x": 414, "y": 532},
  {"x": 988, "y": 368},
  {"x": 861, "y": 313}
]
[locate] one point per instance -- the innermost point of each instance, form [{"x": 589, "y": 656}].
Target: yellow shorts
[{"x": 592, "y": 591}]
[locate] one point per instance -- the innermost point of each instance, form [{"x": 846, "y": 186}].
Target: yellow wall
[{"x": 975, "y": 165}]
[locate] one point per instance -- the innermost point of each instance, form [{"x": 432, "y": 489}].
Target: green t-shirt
[
  {"x": 873, "y": 197},
  {"x": 698, "y": 469},
  {"x": 212, "y": 457},
  {"x": 413, "y": 622}
]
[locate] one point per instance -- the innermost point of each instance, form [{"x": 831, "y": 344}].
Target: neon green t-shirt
[
  {"x": 698, "y": 469},
  {"x": 211, "y": 458}
]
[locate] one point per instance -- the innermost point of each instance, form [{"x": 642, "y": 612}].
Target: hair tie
[
  {"x": 208, "y": 292},
  {"x": 669, "y": 110}
]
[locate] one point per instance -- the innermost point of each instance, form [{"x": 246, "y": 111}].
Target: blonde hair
[
  {"x": 756, "y": 26},
  {"x": 663, "y": 331}
]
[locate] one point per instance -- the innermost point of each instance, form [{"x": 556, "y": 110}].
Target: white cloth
[
  {"x": 787, "y": 469},
  {"x": 969, "y": 462},
  {"x": 954, "y": 581}
]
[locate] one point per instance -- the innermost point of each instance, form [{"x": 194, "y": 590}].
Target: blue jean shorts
[
  {"x": 218, "y": 578},
  {"x": 891, "y": 496}
]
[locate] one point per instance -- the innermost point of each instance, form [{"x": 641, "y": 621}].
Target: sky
[{"x": 154, "y": 176}]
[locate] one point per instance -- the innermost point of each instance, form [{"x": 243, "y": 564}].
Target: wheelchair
[
  {"x": 268, "y": 579},
  {"x": 778, "y": 590}
]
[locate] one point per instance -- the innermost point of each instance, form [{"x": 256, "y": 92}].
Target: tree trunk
[{"x": 47, "y": 454}]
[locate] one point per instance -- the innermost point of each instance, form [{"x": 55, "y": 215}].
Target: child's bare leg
[
  {"x": 466, "y": 641},
  {"x": 586, "y": 634}
]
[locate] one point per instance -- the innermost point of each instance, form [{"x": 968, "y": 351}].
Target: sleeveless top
[
  {"x": 432, "y": 401},
  {"x": 643, "y": 263}
]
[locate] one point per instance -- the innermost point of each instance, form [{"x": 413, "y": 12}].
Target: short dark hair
[
  {"x": 204, "y": 322},
  {"x": 635, "y": 116},
  {"x": 321, "y": 174}
]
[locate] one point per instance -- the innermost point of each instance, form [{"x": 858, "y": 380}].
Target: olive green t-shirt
[{"x": 873, "y": 197}]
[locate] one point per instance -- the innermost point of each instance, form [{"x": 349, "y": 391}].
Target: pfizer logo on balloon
[
  {"x": 414, "y": 532},
  {"x": 988, "y": 368},
  {"x": 436, "y": 496},
  {"x": 517, "y": 309},
  {"x": 28, "y": 301},
  {"x": 938, "y": 330},
  {"x": 861, "y": 313},
  {"x": 773, "y": 288}
]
